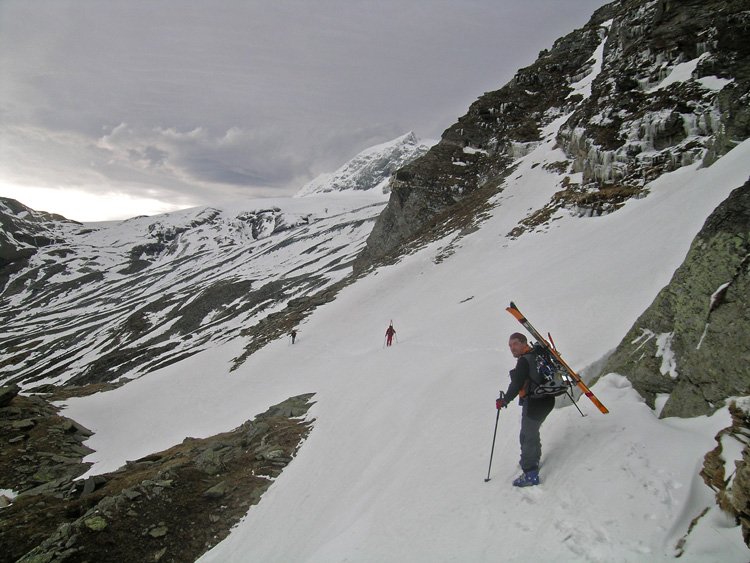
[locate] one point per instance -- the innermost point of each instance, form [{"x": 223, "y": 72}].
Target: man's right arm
[{"x": 518, "y": 377}]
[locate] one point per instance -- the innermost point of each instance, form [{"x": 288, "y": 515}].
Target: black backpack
[{"x": 546, "y": 377}]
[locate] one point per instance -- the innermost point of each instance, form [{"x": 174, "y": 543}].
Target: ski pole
[
  {"x": 572, "y": 400},
  {"x": 492, "y": 452}
]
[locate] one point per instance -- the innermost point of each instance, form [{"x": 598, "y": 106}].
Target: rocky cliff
[
  {"x": 643, "y": 88},
  {"x": 692, "y": 342},
  {"x": 727, "y": 472}
]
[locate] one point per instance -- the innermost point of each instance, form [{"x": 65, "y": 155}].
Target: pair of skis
[{"x": 513, "y": 310}]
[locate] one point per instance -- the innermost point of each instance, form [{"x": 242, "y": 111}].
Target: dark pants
[{"x": 533, "y": 414}]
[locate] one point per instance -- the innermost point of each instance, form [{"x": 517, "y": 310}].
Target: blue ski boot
[{"x": 528, "y": 479}]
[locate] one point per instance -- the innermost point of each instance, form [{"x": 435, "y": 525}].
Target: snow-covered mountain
[
  {"x": 506, "y": 207},
  {"x": 370, "y": 169},
  {"x": 99, "y": 301},
  {"x": 91, "y": 303}
]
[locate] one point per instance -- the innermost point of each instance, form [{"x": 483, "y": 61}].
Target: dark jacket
[{"x": 539, "y": 407}]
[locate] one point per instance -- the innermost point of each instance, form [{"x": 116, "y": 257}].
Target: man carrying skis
[{"x": 533, "y": 412}]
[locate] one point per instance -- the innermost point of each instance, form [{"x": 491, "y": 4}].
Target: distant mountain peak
[{"x": 371, "y": 168}]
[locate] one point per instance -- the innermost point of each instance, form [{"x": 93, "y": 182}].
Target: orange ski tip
[{"x": 516, "y": 313}]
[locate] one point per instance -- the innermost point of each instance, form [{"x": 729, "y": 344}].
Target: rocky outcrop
[
  {"x": 669, "y": 92},
  {"x": 692, "y": 343},
  {"x": 729, "y": 477},
  {"x": 7, "y": 393},
  {"x": 475, "y": 154},
  {"x": 171, "y": 505},
  {"x": 41, "y": 451},
  {"x": 642, "y": 89}
]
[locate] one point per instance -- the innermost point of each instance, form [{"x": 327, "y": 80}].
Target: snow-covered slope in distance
[{"x": 394, "y": 467}]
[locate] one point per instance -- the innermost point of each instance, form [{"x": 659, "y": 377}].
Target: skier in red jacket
[{"x": 390, "y": 331}]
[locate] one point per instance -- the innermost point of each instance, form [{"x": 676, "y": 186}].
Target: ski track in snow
[{"x": 394, "y": 467}]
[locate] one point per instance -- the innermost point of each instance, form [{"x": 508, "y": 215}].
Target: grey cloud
[
  {"x": 245, "y": 158},
  {"x": 192, "y": 99}
]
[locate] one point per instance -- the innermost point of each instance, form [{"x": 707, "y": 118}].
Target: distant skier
[
  {"x": 534, "y": 411},
  {"x": 390, "y": 331},
  {"x": 293, "y": 334}
]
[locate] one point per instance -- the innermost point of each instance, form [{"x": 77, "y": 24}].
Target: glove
[{"x": 501, "y": 403}]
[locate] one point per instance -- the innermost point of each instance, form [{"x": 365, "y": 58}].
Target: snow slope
[{"x": 394, "y": 467}]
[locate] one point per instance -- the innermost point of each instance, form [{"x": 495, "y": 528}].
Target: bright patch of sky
[{"x": 86, "y": 206}]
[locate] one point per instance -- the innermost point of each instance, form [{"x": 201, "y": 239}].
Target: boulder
[
  {"x": 217, "y": 491},
  {"x": 692, "y": 343},
  {"x": 208, "y": 462},
  {"x": 7, "y": 392},
  {"x": 95, "y": 523}
]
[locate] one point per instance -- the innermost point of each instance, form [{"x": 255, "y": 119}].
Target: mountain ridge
[{"x": 623, "y": 121}]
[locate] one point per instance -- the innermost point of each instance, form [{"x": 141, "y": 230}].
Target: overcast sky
[{"x": 116, "y": 108}]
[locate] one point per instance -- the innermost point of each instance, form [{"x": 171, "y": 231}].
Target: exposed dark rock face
[
  {"x": 7, "y": 393},
  {"x": 475, "y": 154},
  {"x": 634, "y": 127},
  {"x": 22, "y": 232},
  {"x": 635, "y": 121},
  {"x": 41, "y": 451},
  {"x": 172, "y": 505},
  {"x": 692, "y": 342}
]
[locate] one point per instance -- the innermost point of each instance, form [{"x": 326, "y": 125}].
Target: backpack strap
[{"x": 533, "y": 369}]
